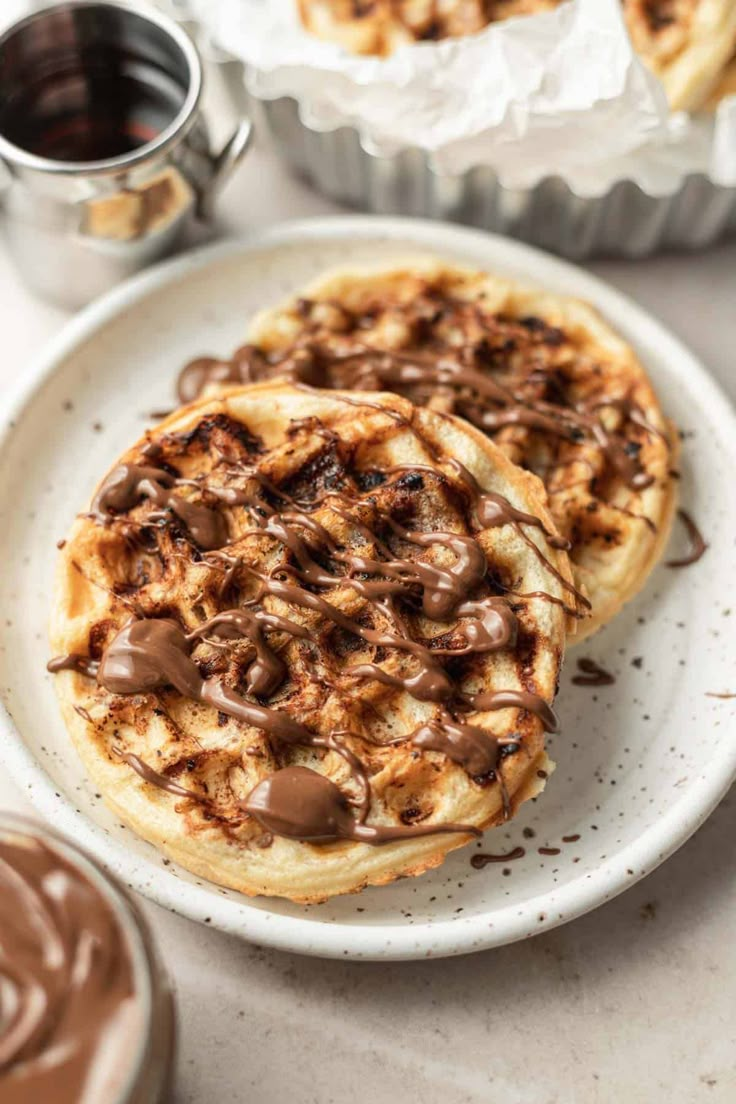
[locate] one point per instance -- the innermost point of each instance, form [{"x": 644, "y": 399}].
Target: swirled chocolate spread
[
  {"x": 69, "y": 1022},
  {"x": 485, "y": 859},
  {"x": 420, "y": 595}
]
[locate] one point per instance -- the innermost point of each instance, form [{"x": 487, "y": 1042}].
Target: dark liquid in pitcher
[{"x": 92, "y": 109}]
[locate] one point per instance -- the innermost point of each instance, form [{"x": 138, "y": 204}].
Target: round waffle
[
  {"x": 542, "y": 375},
  {"x": 307, "y": 641}
]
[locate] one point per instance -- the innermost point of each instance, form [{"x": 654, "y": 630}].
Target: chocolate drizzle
[
  {"x": 698, "y": 546},
  {"x": 83, "y": 665},
  {"x": 68, "y": 1015},
  {"x": 203, "y": 371},
  {"x": 494, "y": 511},
  {"x": 149, "y": 655},
  {"x": 155, "y": 778},
  {"x": 127, "y": 484}
]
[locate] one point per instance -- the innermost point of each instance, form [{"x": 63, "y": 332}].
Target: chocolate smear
[
  {"x": 698, "y": 546},
  {"x": 481, "y": 859},
  {"x": 592, "y": 674}
]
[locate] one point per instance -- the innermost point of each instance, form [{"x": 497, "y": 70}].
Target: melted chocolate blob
[
  {"x": 302, "y": 804},
  {"x": 475, "y": 749},
  {"x": 149, "y": 655},
  {"x": 196, "y": 375}
]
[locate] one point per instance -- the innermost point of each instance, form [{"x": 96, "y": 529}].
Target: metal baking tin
[{"x": 625, "y": 221}]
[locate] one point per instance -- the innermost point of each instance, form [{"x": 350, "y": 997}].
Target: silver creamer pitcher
[{"x": 104, "y": 153}]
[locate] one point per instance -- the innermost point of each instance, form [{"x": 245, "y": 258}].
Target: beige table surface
[{"x": 635, "y": 1003}]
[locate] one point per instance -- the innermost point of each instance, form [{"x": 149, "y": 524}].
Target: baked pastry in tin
[{"x": 686, "y": 43}]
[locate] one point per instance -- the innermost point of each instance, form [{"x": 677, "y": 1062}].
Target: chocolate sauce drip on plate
[
  {"x": 548, "y": 850},
  {"x": 68, "y": 1011},
  {"x": 592, "y": 674},
  {"x": 481, "y": 859},
  {"x": 698, "y": 546}
]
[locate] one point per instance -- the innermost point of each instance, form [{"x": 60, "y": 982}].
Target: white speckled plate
[{"x": 640, "y": 763}]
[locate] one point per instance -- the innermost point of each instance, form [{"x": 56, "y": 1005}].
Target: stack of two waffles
[{"x": 310, "y": 631}]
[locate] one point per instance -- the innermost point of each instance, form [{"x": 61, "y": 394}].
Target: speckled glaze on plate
[{"x": 641, "y": 763}]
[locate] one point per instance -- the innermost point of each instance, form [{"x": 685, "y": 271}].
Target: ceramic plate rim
[{"x": 380, "y": 941}]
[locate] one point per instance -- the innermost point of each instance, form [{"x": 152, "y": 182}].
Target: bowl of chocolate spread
[{"x": 86, "y": 1014}]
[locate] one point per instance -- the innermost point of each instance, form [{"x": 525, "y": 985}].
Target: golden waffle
[
  {"x": 391, "y": 599},
  {"x": 563, "y": 396}
]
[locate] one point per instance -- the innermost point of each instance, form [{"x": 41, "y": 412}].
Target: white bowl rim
[{"x": 380, "y": 941}]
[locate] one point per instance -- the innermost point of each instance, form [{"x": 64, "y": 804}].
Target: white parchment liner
[{"x": 556, "y": 94}]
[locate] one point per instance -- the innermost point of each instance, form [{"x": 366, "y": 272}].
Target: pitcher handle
[{"x": 223, "y": 165}]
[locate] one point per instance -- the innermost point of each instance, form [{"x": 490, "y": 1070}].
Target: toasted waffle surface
[
  {"x": 543, "y": 376},
  {"x": 362, "y": 617},
  {"x": 686, "y": 43}
]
